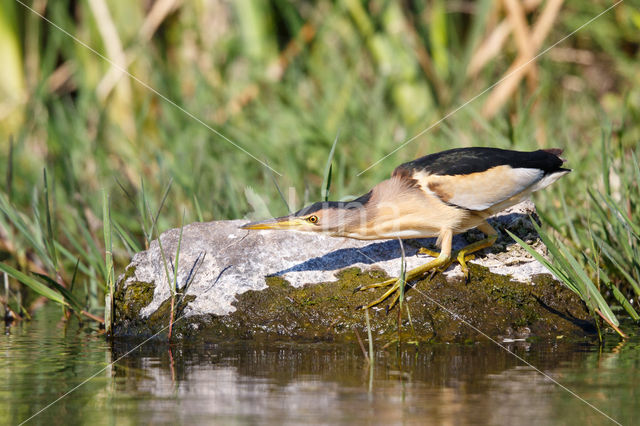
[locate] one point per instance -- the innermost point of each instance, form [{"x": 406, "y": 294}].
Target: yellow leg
[
  {"x": 440, "y": 263},
  {"x": 395, "y": 282},
  {"x": 428, "y": 252},
  {"x": 436, "y": 263},
  {"x": 464, "y": 254}
]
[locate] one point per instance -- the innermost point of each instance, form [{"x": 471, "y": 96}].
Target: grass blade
[
  {"x": 328, "y": 168},
  {"x": 25, "y": 230},
  {"x": 578, "y": 274},
  {"x": 621, "y": 216},
  {"x": 162, "y": 201},
  {"x": 9, "y": 182},
  {"x": 609, "y": 254},
  {"x": 129, "y": 242},
  {"x": 604, "y": 143},
  {"x": 617, "y": 294},
  {"x": 198, "y": 209},
  {"x": 91, "y": 253},
  {"x": 108, "y": 247},
  {"x": 73, "y": 302},
  {"x": 571, "y": 274},
  {"x": 108, "y": 262},
  {"x": 66, "y": 254},
  {"x": 174, "y": 285},
  {"x": 49, "y": 241},
  {"x": 403, "y": 274},
  {"x": 561, "y": 275},
  {"x": 35, "y": 285},
  {"x": 275, "y": 182}
]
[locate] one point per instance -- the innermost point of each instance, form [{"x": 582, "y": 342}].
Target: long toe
[
  {"x": 394, "y": 301},
  {"x": 411, "y": 275},
  {"x": 428, "y": 252},
  {"x": 385, "y": 296},
  {"x": 386, "y": 283}
]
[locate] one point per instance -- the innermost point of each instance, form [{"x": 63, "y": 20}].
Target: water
[{"x": 283, "y": 383}]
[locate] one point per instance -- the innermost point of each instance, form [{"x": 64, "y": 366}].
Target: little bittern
[{"x": 438, "y": 195}]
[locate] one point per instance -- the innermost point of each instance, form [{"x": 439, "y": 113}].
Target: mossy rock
[{"x": 294, "y": 286}]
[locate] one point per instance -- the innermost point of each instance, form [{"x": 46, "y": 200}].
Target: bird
[{"x": 438, "y": 195}]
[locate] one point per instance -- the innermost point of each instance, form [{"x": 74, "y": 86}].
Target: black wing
[
  {"x": 479, "y": 178},
  {"x": 464, "y": 161}
]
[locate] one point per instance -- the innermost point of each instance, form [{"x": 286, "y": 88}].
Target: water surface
[{"x": 286, "y": 383}]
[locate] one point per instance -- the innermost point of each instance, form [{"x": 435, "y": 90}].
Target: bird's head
[{"x": 329, "y": 217}]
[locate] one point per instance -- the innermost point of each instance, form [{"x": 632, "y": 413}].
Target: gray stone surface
[{"x": 232, "y": 261}]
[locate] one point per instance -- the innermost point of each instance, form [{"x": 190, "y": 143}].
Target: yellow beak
[{"x": 285, "y": 222}]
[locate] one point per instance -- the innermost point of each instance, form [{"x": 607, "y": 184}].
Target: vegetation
[{"x": 222, "y": 99}]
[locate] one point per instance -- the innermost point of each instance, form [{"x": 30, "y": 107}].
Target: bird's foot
[
  {"x": 462, "y": 259},
  {"x": 460, "y": 256},
  {"x": 396, "y": 283},
  {"x": 385, "y": 283},
  {"x": 439, "y": 264},
  {"x": 428, "y": 252},
  {"x": 465, "y": 254}
]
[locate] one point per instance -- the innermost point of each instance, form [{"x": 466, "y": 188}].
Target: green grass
[{"x": 319, "y": 92}]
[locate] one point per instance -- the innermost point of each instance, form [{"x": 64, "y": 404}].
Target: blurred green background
[{"x": 215, "y": 91}]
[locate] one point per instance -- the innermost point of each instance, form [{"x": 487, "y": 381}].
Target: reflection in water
[
  {"x": 444, "y": 384},
  {"x": 240, "y": 383}
]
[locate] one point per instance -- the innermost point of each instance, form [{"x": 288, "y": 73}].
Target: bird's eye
[{"x": 313, "y": 219}]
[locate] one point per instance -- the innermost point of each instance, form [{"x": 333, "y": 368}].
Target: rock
[{"x": 290, "y": 285}]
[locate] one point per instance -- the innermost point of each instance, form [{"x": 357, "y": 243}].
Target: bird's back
[
  {"x": 463, "y": 161},
  {"x": 479, "y": 179}
]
